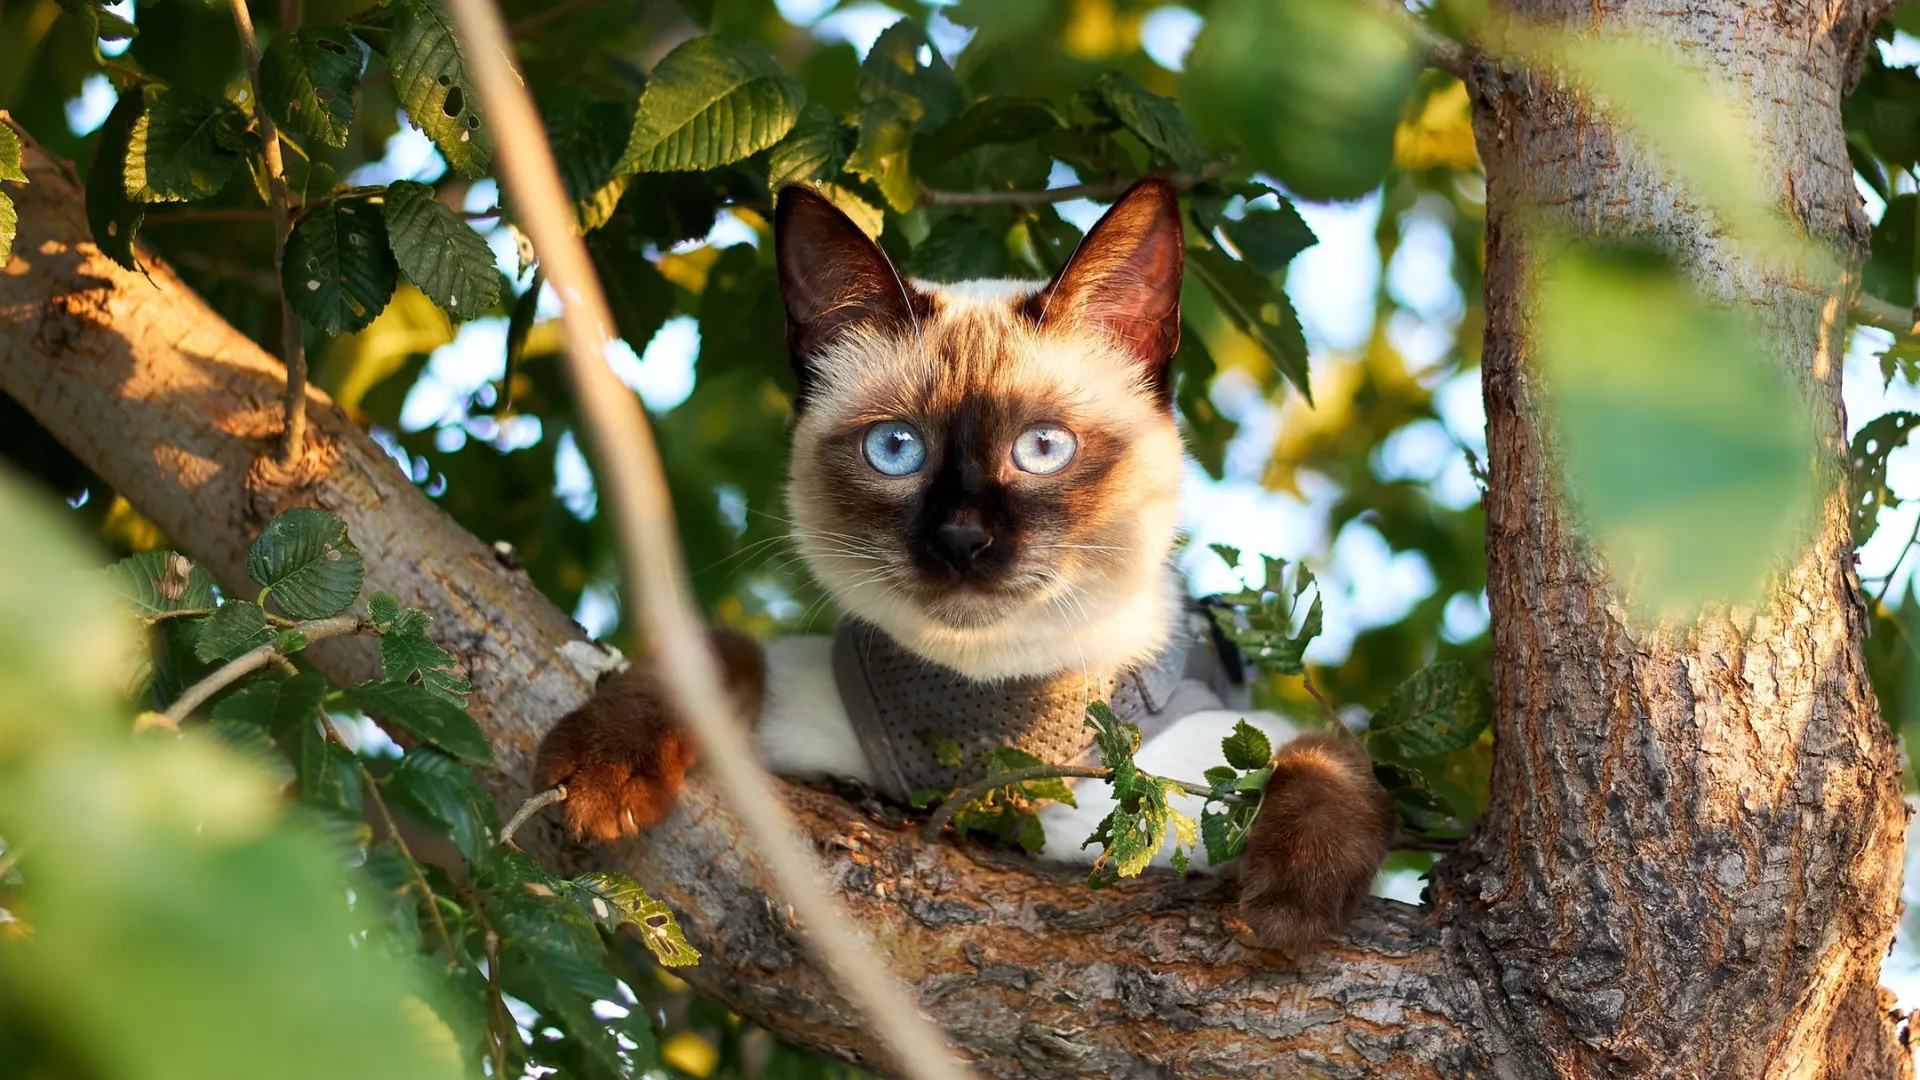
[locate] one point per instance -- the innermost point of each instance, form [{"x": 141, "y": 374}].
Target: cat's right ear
[{"x": 834, "y": 279}]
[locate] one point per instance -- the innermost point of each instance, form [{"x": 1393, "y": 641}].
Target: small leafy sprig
[
  {"x": 1004, "y": 801},
  {"x": 229, "y": 668}
]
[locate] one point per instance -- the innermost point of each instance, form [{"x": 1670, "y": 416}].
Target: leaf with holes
[
  {"x": 307, "y": 79},
  {"x": 1156, "y": 120},
  {"x": 183, "y": 147},
  {"x": 1437, "y": 710},
  {"x": 307, "y": 563},
  {"x": 1250, "y": 301},
  {"x": 710, "y": 102},
  {"x": 236, "y": 627},
  {"x": 157, "y": 582},
  {"x": 1867, "y": 469},
  {"x": 339, "y": 273},
  {"x": 112, "y": 218},
  {"x": 614, "y": 898},
  {"x": 430, "y": 78},
  {"x": 439, "y": 252},
  {"x": 1260, "y": 622},
  {"x": 434, "y": 719},
  {"x": 442, "y": 790}
]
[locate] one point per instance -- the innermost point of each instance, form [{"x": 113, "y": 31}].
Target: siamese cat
[{"x": 985, "y": 476}]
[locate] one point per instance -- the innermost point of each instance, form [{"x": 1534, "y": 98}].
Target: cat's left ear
[{"x": 1124, "y": 278}]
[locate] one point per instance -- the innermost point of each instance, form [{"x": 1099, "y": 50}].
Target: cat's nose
[{"x": 961, "y": 540}]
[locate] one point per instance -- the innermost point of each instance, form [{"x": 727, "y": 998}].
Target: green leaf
[
  {"x": 442, "y": 790},
  {"x": 9, "y": 225},
  {"x": 308, "y": 78},
  {"x": 1227, "y": 553},
  {"x": 1260, "y": 622},
  {"x": 640, "y": 299},
  {"x": 307, "y": 562},
  {"x": 1220, "y": 778},
  {"x": 329, "y": 776},
  {"x": 899, "y": 96},
  {"x": 1437, "y": 710},
  {"x": 557, "y": 934},
  {"x": 1268, "y": 239},
  {"x": 614, "y": 898},
  {"x": 993, "y": 120},
  {"x": 112, "y": 218},
  {"x": 1867, "y": 469},
  {"x": 1312, "y": 90},
  {"x": 183, "y": 147},
  {"x": 405, "y": 651},
  {"x": 439, "y": 252},
  {"x": 1208, "y": 432},
  {"x": 434, "y": 719},
  {"x": 289, "y": 642},
  {"x": 945, "y": 750},
  {"x": 10, "y": 156},
  {"x": 156, "y": 582},
  {"x": 881, "y": 154},
  {"x": 710, "y": 102},
  {"x": 1247, "y": 747},
  {"x": 960, "y": 247},
  {"x": 1418, "y": 805},
  {"x": 1155, "y": 119},
  {"x": 252, "y": 743},
  {"x": 277, "y": 705},
  {"x": 1249, "y": 300},
  {"x": 235, "y": 628},
  {"x": 339, "y": 272},
  {"x": 431, "y": 79},
  {"x": 1688, "y": 457},
  {"x": 814, "y": 149},
  {"x": 383, "y": 610},
  {"x": 587, "y": 136}
]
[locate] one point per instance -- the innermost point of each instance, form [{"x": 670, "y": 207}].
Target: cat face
[{"x": 989, "y": 471}]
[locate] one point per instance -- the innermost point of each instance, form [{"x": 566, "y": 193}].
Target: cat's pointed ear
[
  {"x": 1124, "y": 278},
  {"x": 833, "y": 278}
]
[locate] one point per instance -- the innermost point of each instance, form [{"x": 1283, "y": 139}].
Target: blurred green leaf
[
  {"x": 443, "y": 791},
  {"x": 1261, "y": 311},
  {"x": 1867, "y": 469},
  {"x": 960, "y": 247},
  {"x": 328, "y": 774},
  {"x": 1688, "y": 456},
  {"x": 432, "y": 718},
  {"x": 304, "y": 559},
  {"x": 112, "y": 218},
  {"x": 1439, "y": 709},
  {"x": 587, "y": 136},
  {"x": 308, "y": 79},
  {"x": 277, "y": 705},
  {"x": 339, "y": 271},
  {"x": 1311, "y": 90},
  {"x": 1155, "y": 119},
  {"x": 439, "y": 252},
  {"x": 711, "y": 101},
  {"x": 1208, "y": 432},
  {"x": 1893, "y": 262}
]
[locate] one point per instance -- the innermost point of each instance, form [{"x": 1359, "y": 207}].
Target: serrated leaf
[
  {"x": 431, "y": 80},
  {"x": 434, "y": 719},
  {"x": 1247, "y": 747},
  {"x": 557, "y": 934},
  {"x": 339, "y": 272},
  {"x": 383, "y": 609},
  {"x": 306, "y": 561},
  {"x": 588, "y": 137},
  {"x": 1250, "y": 301},
  {"x": 112, "y": 218},
  {"x": 329, "y": 776},
  {"x": 442, "y": 790},
  {"x": 1437, "y": 710},
  {"x": 1418, "y": 804},
  {"x": 899, "y": 95},
  {"x": 405, "y": 651},
  {"x": 1227, "y": 553},
  {"x": 308, "y": 78},
  {"x": 277, "y": 705},
  {"x": 626, "y": 902},
  {"x": 252, "y": 743},
  {"x": 710, "y": 102},
  {"x": 1209, "y": 433},
  {"x": 1867, "y": 489},
  {"x": 289, "y": 642},
  {"x": 1156, "y": 120},
  {"x": 157, "y": 582},
  {"x": 814, "y": 149},
  {"x": 236, "y": 627},
  {"x": 439, "y": 252},
  {"x": 11, "y": 156},
  {"x": 9, "y": 225},
  {"x": 1268, "y": 239},
  {"x": 182, "y": 147},
  {"x": 1220, "y": 778}
]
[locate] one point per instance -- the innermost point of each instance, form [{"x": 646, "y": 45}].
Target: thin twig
[
  {"x": 1873, "y": 311},
  {"x": 253, "y": 660},
  {"x": 292, "y": 349},
  {"x": 1886, "y": 586},
  {"x": 153, "y": 617},
  {"x": 1443, "y": 53},
  {"x": 1306, "y": 679},
  {"x": 931, "y": 830},
  {"x": 1408, "y": 842},
  {"x": 500, "y": 1023},
  {"x": 413, "y": 866},
  {"x": 1108, "y": 189},
  {"x": 540, "y": 801},
  {"x": 632, "y": 479},
  {"x": 524, "y": 25},
  {"x": 263, "y": 213}
]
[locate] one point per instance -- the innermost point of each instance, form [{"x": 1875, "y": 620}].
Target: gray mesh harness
[{"x": 896, "y": 699}]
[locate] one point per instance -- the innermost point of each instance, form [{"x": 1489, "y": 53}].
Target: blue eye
[
  {"x": 1044, "y": 448},
  {"x": 895, "y": 448}
]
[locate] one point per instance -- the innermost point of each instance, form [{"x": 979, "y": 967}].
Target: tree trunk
[
  {"x": 1689, "y": 867},
  {"x": 1691, "y": 862}
]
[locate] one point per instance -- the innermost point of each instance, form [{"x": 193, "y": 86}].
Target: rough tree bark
[{"x": 1691, "y": 861}]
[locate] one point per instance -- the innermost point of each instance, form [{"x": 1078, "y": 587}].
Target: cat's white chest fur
[{"x": 804, "y": 734}]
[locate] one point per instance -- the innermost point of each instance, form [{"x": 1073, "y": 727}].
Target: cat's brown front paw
[
  {"x": 623, "y": 756},
  {"x": 1324, "y": 826}
]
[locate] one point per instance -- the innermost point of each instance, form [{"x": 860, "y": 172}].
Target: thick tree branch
[
  {"x": 1030, "y": 973},
  {"x": 1872, "y": 311}
]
